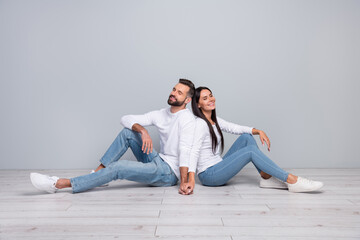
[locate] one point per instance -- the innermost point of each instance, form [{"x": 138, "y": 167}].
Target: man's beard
[{"x": 176, "y": 103}]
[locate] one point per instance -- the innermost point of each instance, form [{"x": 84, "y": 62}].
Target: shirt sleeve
[
  {"x": 233, "y": 128},
  {"x": 146, "y": 119},
  {"x": 186, "y": 134},
  {"x": 198, "y": 139}
]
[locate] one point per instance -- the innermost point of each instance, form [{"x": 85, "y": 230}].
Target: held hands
[
  {"x": 187, "y": 182},
  {"x": 187, "y": 188}
]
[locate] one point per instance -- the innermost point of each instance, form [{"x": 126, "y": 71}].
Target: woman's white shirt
[{"x": 202, "y": 155}]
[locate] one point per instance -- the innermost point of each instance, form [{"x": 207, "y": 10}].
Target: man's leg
[
  {"x": 125, "y": 139},
  {"x": 157, "y": 173}
]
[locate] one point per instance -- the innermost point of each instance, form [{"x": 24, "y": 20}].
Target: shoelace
[
  {"x": 52, "y": 178},
  {"x": 308, "y": 181}
]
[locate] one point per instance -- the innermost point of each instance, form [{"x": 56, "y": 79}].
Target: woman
[{"x": 209, "y": 143}]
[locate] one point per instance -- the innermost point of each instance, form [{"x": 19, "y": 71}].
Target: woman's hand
[
  {"x": 263, "y": 137},
  {"x": 187, "y": 188}
]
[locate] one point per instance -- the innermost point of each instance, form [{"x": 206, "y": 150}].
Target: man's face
[{"x": 178, "y": 95}]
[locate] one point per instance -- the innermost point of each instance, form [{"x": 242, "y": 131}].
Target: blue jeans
[
  {"x": 149, "y": 168},
  {"x": 243, "y": 151}
]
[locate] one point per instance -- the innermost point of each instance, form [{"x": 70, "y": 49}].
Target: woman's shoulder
[
  {"x": 222, "y": 122},
  {"x": 200, "y": 123}
]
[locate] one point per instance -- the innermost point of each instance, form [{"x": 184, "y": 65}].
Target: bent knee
[
  {"x": 246, "y": 136},
  {"x": 126, "y": 131}
]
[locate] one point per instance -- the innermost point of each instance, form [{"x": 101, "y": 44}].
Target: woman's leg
[
  {"x": 243, "y": 141},
  {"x": 231, "y": 164},
  {"x": 245, "y": 150}
]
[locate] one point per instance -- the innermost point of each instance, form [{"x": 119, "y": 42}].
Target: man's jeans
[
  {"x": 149, "y": 168},
  {"x": 243, "y": 151}
]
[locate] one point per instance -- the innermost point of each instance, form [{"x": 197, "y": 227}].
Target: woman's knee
[{"x": 248, "y": 138}]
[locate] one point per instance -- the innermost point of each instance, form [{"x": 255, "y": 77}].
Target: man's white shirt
[{"x": 176, "y": 132}]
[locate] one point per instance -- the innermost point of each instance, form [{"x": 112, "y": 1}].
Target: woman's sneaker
[
  {"x": 272, "y": 182},
  {"x": 44, "y": 182},
  {"x": 304, "y": 185}
]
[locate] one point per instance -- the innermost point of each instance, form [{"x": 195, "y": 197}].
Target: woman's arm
[{"x": 238, "y": 129}]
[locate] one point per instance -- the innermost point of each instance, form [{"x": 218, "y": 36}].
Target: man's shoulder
[
  {"x": 186, "y": 116},
  {"x": 187, "y": 113},
  {"x": 159, "y": 111}
]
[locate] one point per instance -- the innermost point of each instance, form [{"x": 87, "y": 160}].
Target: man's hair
[{"x": 189, "y": 84}]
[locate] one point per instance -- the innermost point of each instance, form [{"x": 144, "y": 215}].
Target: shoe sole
[
  {"x": 309, "y": 190},
  {"x": 276, "y": 187}
]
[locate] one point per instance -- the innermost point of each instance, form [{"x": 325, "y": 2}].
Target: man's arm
[
  {"x": 186, "y": 132},
  {"x": 136, "y": 123},
  {"x": 198, "y": 136}
]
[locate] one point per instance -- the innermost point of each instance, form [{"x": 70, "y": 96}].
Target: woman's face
[{"x": 206, "y": 101}]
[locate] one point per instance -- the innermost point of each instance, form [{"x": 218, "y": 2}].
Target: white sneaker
[
  {"x": 304, "y": 185},
  {"x": 272, "y": 182},
  {"x": 44, "y": 182},
  {"x": 104, "y": 185}
]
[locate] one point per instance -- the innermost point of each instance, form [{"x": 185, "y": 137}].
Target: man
[{"x": 176, "y": 128}]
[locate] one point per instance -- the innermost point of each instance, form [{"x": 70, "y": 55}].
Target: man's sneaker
[
  {"x": 272, "y": 182},
  {"x": 104, "y": 185},
  {"x": 44, "y": 182},
  {"x": 304, "y": 185}
]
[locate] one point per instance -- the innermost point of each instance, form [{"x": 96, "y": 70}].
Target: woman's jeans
[
  {"x": 149, "y": 168},
  {"x": 243, "y": 151}
]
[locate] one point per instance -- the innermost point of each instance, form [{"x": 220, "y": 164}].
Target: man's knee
[{"x": 127, "y": 133}]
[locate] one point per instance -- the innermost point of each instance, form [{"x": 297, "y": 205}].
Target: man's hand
[
  {"x": 187, "y": 182},
  {"x": 147, "y": 145},
  {"x": 187, "y": 188}
]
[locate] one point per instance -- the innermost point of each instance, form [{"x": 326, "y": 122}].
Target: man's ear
[{"x": 187, "y": 100}]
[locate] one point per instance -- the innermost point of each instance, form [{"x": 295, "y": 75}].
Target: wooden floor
[{"x": 128, "y": 210}]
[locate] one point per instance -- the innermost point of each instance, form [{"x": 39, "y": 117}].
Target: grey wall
[{"x": 70, "y": 69}]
